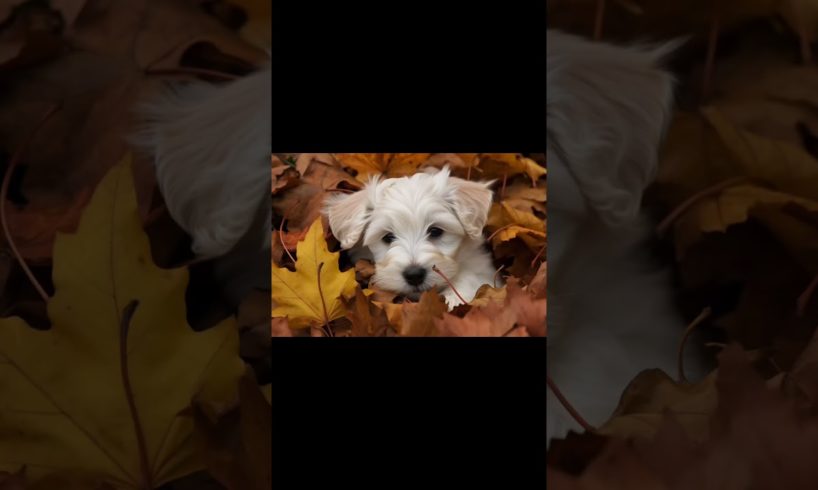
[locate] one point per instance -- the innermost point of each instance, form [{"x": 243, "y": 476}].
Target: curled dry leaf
[
  {"x": 312, "y": 295},
  {"x": 507, "y": 223}
]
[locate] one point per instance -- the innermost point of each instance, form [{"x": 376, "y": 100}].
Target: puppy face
[{"x": 411, "y": 224}]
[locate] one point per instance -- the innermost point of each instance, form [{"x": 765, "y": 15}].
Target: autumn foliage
[{"x": 315, "y": 293}]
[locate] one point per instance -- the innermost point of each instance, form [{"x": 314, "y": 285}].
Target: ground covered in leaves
[
  {"x": 738, "y": 190},
  {"x": 334, "y": 296},
  {"x": 113, "y": 373}
]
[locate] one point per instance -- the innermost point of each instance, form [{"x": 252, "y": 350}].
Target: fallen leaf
[
  {"x": 111, "y": 298},
  {"x": 388, "y": 164},
  {"x": 309, "y": 297},
  {"x": 367, "y": 319},
  {"x": 497, "y": 165},
  {"x": 651, "y": 394},
  {"x": 530, "y": 312},
  {"x": 729, "y": 207},
  {"x": 507, "y": 223},
  {"x": 523, "y": 197},
  {"x": 321, "y": 171},
  {"x": 419, "y": 319},
  {"x": 35, "y": 226},
  {"x": 283, "y": 176},
  {"x": 487, "y": 294},
  {"x": 492, "y": 320}
]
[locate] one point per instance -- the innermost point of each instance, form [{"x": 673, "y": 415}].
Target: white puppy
[
  {"x": 611, "y": 310},
  {"x": 410, "y": 224}
]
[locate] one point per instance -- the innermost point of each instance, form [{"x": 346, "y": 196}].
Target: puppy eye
[
  {"x": 388, "y": 238},
  {"x": 435, "y": 232}
]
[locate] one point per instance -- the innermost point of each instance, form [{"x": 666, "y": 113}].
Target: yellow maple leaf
[
  {"x": 103, "y": 391},
  {"x": 387, "y": 164},
  {"x": 300, "y": 295}
]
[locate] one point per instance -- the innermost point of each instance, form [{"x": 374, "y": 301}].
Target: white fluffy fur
[
  {"x": 611, "y": 312},
  {"x": 408, "y": 207},
  {"x": 211, "y": 146}
]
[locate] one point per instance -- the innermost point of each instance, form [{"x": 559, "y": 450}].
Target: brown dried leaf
[
  {"x": 283, "y": 176},
  {"x": 418, "y": 319},
  {"x": 493, "y": 320},
  {"x": 497, "y": 165},
  {"x": 530, "y": 312},
  {"x": 651, "y": 395},
  {"x": 367, "y": 319},
  {"x": 388, "y": 164}
]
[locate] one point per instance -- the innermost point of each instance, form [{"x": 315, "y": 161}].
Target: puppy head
[
  {"x": 411, "y": 224},
  {"x": 607, "y": 110}
]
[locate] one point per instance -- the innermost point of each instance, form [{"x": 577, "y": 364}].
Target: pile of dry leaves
[
  {"x": 738, "y": 187},
  {"x": 315, "y": 293}
]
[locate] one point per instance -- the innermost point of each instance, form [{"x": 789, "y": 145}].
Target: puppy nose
[{"x": 414, "y": 275}]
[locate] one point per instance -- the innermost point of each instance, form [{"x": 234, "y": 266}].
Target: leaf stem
[
  {"x": 567, "y": 405},
  {"x": 689, "y": 202},
  {"x": 434, "y": 268},
  {"x": 689, "y": 330},
  {"x": 496, "y": 273},
  {"x": 124, "y": 325},
  {"x": 15, "y": 159},
  {"x": 323, "y": 303},
  {"x": 281, "y": 237}
]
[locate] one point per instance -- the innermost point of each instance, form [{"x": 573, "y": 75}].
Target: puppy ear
[
  {"x": 607, "y": 111},
  {"x": 211, "y": 148},
  {"x": 471, "y": 202},
  {"x": 348, "y": 214}
]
